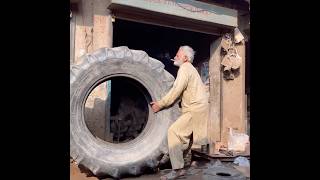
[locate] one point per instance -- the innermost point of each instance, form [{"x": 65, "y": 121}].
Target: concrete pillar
[
  {"x": 102, "y": 29},
  {"x": 94, "y": 31},
  {"x": 215, "y": 93},
  {"x": 84, "y": 29},
  {"x": 233, "y": 100}
]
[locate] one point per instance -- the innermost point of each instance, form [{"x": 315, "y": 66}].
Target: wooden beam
[
  {"x": 188, "y": 9},
  {"x": 168, "y": 21}
]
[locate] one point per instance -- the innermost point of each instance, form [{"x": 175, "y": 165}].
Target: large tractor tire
[{"x": 145, "y": 151}]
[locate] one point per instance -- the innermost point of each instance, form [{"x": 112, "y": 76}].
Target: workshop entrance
[
  {"x": 160, "y": 36},
  {"x": 162, "y": 43},
  {"x": 117, "y": 124}
]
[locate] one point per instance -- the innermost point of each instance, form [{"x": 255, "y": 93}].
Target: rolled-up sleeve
[{"x": 179, "y": 86}]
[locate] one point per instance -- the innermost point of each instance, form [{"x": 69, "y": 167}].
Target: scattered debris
[
  {"x": 244, "y": 170},
  {"x": 242, "y": 161},
  {"x": 227, "y": 152},
  {"x": 237, "y": 141},
  {"x": 233, "y": 153},
  {"x": 243, "y": 165}
]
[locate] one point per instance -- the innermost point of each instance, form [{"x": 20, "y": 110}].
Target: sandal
[{"x": 173, "y": 175}]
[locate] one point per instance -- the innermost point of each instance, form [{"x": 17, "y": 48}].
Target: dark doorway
[{"x": 161, "y": 42}]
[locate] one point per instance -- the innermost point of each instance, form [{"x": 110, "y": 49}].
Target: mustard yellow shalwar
[{"x": 195, "y": 109}]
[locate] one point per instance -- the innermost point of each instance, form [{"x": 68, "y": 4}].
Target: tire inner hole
[{"x": 117, "y": 110}]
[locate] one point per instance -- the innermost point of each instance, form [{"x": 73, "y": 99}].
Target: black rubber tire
[{"x": 145, "y": 151}]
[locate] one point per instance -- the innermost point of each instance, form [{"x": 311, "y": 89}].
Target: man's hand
[{"x": 155, "y": 107}]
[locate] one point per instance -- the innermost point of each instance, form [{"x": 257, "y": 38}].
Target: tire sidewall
[{"x": 99, "y": 155}]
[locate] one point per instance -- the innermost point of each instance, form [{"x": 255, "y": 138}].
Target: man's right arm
[{"x": 179, "y": 86}]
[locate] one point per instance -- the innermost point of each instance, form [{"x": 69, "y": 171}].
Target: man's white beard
[{"x": 178, "y": 62}]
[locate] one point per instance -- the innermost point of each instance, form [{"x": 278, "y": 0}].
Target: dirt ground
[
  {"x": 193, "y": 173},
  {"x": 77, "y": 174}
]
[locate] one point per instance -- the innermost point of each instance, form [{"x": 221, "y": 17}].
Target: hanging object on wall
[
  {"x": 238, "y": 37},
  {"x": 231, "y": 63},
  {"x": 226, "y": 42},
  {"x": 226, "y": 62},
  {"x": 231, "y": 60},
  {"x": 235, "y": 58}
]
